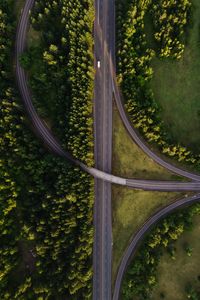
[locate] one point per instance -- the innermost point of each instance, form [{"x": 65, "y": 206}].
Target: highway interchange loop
[{"x": 45, "y": 134}]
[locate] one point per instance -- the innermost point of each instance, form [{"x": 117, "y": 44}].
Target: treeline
[
  {"x": 134, "y": 56},
  {"x": 141, "y": 276},
  {"x": 46, "y": 232}
]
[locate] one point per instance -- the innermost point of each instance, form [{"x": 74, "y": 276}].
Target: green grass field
[
  {"x": 129, "y": 160},
  {"x": 174, "y": 275},
  {"x": 176, "y": 86},
  {"x": 132, "y": 207}
]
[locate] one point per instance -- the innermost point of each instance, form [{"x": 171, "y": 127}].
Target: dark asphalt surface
[{"x": 102, "y": 250}]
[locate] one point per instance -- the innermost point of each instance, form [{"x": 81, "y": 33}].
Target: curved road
[
  {"x": 130, "y": 251},
  {"x": 45, "y": 134},
  {"x": 138, "y": 139}
]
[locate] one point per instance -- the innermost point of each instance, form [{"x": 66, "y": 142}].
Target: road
[
  {"x": 137, "y": 137},
  {"x": 164, "y": 211},
  {"x": 105, "y": 85},
  {"x": 130, "y": 251},
  {"x": 46, "y": 135},
  {"x": 134, "y": 134},
  {"x": 102, "y": 250},
  {"x": 40, "y": 128}
]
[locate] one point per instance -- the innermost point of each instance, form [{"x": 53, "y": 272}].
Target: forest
[
  {"x": 134, "y": 71},
  {"x": 46, "y": 231}
]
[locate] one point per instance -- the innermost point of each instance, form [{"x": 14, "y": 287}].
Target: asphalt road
[
  {"x": 110, "y": 55},
  {"x": 130, "y": 251},
  {"x": 107, "y": 79},
  {"x": 46, "y": 135},
  {"x": 40, "y": 128},
  {"x": 138, "y": 139},
  {"x": 102, "y": 250}
]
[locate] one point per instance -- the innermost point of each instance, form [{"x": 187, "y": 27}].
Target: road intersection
[
  {"x": 48, "y": 138},
  {"x": 105, "y": 88}
]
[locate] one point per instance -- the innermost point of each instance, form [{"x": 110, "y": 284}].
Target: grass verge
[{"x": 129, "y": 160}]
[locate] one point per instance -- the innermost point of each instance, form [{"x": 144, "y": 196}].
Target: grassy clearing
[
  {"x": 129, "y": 160},
  {"x": 176, "y": 86},
  {"x": 130, "y": 207},
  {"x": 175, "y": 275}
]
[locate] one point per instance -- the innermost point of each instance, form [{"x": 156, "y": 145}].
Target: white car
[{"x": 98, "y": 64}]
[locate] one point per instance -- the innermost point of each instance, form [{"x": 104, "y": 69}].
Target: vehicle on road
[{"x": 98, "y": 64}]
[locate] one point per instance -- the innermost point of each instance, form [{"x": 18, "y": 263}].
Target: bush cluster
[{"x": 170, "y": 18}]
